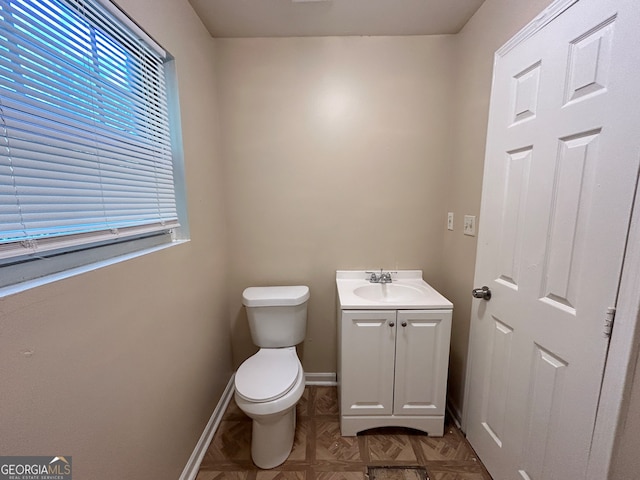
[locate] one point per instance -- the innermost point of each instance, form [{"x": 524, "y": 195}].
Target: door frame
[
  {"x": 624, "y": 347},
  {"x": 622, "y": 357}
]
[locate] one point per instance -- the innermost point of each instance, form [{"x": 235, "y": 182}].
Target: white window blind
[{"x": 85, "y": 151}]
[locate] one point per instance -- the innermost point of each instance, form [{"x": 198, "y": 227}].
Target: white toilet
[{"x": 269, "y": 384}]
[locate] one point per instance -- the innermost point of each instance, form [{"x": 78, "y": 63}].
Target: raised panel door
[
  {"x": 560, "y": 175},
  {"x": 367, "y": 349},
  {"x": 422, "y": 356}
]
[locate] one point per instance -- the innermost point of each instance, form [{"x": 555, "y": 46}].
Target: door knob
[
  {"x": 391, "y": 324},
  {"x": 484, "y": 293},
  {"x": 404, "y": 324}
]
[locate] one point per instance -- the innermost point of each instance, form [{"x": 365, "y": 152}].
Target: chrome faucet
[{"x": 382, "y": 277}]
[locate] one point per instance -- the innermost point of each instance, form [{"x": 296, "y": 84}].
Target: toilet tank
[{"x": 277, "y": 315}]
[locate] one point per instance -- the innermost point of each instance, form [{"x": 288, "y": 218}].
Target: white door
[
  {"x": 560, "y": 171},
  {"x": 367, "y": 350},
  {"x": 422, "y": 356}
]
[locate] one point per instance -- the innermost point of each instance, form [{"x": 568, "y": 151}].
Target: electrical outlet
[
  {"x": 470, "y": 225},
  {"x": 450, "y": 221}
]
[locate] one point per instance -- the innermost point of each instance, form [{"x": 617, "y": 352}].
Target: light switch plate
[
  {"x": 450, "y": 221},
  {"x": 470, "y": 225}
]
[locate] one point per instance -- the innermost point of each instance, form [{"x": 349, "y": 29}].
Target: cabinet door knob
[
  {"x": 404, "y": 324},
  {"x": 391, "y": 324}
]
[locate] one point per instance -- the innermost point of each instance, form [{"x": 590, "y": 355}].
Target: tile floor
[{"x": 320, "y": 453}]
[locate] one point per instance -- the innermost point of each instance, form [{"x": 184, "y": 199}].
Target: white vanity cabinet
[{"x": 392, "y": 369}]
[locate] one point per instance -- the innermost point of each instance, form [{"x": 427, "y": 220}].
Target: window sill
[{"x": 72, "y": 272}]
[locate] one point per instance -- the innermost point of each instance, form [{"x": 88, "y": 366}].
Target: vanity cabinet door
[
  {"x": 367, "y": 356},
  {"x": 422, "y": 356}
]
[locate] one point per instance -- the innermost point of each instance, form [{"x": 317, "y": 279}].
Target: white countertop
[{"x": 425, "y": 297}]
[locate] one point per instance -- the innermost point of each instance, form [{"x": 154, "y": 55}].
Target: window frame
[{"x": 61, "y": 260}]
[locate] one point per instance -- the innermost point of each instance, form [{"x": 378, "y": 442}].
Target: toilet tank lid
[{"x": 275, "y": 296}]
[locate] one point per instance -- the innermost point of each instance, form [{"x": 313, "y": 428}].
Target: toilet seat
[{"x": 268, "y": 375}]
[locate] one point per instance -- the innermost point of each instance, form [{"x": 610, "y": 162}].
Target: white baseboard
[
  {"x": 193, "y": 465},
  {"x": 455, "y": 413},
  {"x": 323, "y": 379}
]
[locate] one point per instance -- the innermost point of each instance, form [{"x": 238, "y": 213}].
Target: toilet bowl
[
  {"x": 269, "y": 384},
  {"x": 268, "y": 387}
]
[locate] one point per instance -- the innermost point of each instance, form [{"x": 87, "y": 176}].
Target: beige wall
[
  {"x": 339, "y": 153},
  {"x": 335, "y": 151},
  {"x": 347, "y": 153},
  {"x": 494, "y": 23},
  {"x": 122, "y": 367}
]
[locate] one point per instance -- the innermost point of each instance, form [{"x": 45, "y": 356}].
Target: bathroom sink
[
  {"x": 406, "y": 291},
  {"x": 388, "y": 292}
]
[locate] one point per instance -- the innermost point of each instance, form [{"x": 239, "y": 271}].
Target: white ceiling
[{"x": 305, "y": 18}]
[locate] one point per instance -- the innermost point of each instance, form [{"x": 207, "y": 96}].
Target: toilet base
[
  {"x": 272, "y": 439},
  {"x": 274, "y": 425}
]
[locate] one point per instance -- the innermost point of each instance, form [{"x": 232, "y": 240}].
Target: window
[{"x": 85, "y": 146}]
